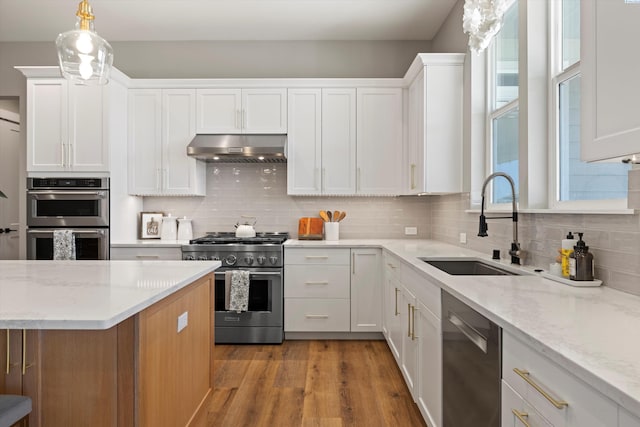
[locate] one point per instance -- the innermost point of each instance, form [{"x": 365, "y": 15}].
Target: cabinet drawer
[
  {"x": 317, "y": 256},
  {"x": 585, "y": 405},
  {"x": 513, "y": 405},
  {"x": 316, "y": 315},
  {"x": 423, "y": 289},
  {"x": 150, "y": 254},
  {"x": 330, "y": 281}
]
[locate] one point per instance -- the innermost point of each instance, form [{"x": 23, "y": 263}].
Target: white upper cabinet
[
  {"x": 609, "y": 70},
  {"x": 321, "y": 152},
  {"x": 241, "y": 110},
  {"x": 433, "y": 155},
  {"x": 379, "y": 141},
  {"x": 304, "y": 141},
  {"x": 161, "y": 125},
  {"x": 65, "y": 127}
]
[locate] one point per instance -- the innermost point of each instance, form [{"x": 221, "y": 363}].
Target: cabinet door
[
  {"x": 145, "y": 133},
  {"x": 625, "y": 419},
  {"x": 429, "y": 395},
  {"x": 181, "y": 174},
  {"x": 88, "y": 150},
  {"x": 366, "y": 290},
  {"x": 379, "y": 148},
  {"x": 339, "y": 141},
  {"x": 392, "y": 320},
  {"x": 47, "y": 125},
  {"x": 610, "y": 124},
  {"x": 219, "y": 111},
  {"x": 264, "y": 110},
  {"x": 414, "y": 153},
  {"x": 304, "y": 141},
  {"x": 409, "y": 366}
]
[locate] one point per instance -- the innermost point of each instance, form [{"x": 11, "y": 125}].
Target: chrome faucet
[{"x": 515, "y": 251}]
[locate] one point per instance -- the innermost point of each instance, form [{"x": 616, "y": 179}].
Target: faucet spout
[{"x": 515, "y": 250}]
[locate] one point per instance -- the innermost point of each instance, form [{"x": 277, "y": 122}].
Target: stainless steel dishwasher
[{"x": 471, "y": 365}]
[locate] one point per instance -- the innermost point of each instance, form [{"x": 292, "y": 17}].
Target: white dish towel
[
  {"x": 236, "y": 284},
  {"x": 64, "y": 245}
]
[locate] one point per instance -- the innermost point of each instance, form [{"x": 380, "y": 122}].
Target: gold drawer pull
[
  {"x": 8, "y": 352},
  {"x": 560, "y": 404},
  {"x": 521, "y": 416},
  {"x": 316, "y": 316}
]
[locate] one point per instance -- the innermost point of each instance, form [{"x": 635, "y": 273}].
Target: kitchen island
[{"x": 113, "y": 343}]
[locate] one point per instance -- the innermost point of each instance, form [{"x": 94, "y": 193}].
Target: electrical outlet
[
  {"x": 410, "y": 231},
  {"x": 183, "y": 321},
  {"x": 463, "y": 237}
]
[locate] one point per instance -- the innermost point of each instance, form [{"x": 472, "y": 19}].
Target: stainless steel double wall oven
[
  {"x": 77, "y": 204},
  {"x": 262, "y": 256}
]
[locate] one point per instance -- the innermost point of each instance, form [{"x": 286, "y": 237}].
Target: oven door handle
[
  {"x": 257, "y": 273},
  {"x": 35, "y": 194},
  {"x": 101, "y": 232}
]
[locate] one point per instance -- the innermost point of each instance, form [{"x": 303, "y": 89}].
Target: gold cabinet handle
[
  {"x": 521, "y": 416},
  {"x": 413, "y": 327},
  {"x": 396, "y": 308},
  {"x": 560, "y": 404},
  {"x": 8, "y": 352},
  {"x": 409, "y": 320}
]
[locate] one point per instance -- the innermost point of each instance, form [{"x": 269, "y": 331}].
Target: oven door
[
  {"x": 264, "y": 316},
  {"x": 91, "y": 244},
  {"x": 67, "y": 208}
]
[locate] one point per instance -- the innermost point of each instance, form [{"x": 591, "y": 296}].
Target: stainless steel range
[{"x": 263, "y": 257}]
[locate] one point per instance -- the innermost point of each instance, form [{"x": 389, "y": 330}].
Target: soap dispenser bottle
[
  {"x": 581, "y": 262},
  {"x": 565, "y": 251}
]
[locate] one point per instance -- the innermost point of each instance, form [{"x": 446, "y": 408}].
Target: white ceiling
[{"x": 147, "y": 20}]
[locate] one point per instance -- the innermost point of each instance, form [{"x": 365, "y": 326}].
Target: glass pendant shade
[{"x": 83, "y": 55}]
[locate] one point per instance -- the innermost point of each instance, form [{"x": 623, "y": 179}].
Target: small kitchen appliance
[{"x": 261, "y": 255}]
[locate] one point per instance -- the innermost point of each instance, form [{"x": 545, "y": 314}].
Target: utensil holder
[{"x": 331, "y": 231}]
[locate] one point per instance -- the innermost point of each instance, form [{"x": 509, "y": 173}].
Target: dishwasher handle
[{"x": 468, "y": 331}]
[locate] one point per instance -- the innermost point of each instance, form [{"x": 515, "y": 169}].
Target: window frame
[{"x": 558, "y": 76}]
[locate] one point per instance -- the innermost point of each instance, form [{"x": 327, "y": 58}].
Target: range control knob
[
  {"x": 214, "y": 258},
  {"x": 189, "y": 258},
  {"x": 261, "y": 260},
  {"x": 248, "y": 260},
  {"x": 231, "y": 259},
  {"x": 203, "y": 258},
  {"x": 273, "y": 259}
]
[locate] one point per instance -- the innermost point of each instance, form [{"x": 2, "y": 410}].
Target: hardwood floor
[{"x": 310, "y": 384}]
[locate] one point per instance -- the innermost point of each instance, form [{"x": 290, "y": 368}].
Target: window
[
  {"x": 575, "y": 181},
  {"x": 503, "y": 106}
]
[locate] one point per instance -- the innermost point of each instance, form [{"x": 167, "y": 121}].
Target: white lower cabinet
[
  {"x": 516, "y": 412},
  {"x": 625, "y": 419},
  {"x": 391, "y": 319},
  {"x": 366, "y": 290},
  {"x": 557, "y": 395},
  {"x": 317, "y": 290},
  {"x": 409, "y": 358},
  {"x": 429, "y": 386},
  {"x": 332, "y": 290},
  {"x": 145, "y": 253}
]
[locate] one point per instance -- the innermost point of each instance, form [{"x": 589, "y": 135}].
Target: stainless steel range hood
[{"x": 245, "y": 148}]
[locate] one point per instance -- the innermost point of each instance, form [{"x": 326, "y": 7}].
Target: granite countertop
[
  {"x": 586, "y": 330},
  {"x": 87, "y": 294}
]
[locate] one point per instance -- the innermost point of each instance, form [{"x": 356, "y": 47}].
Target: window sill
[{"x": 558, "y": 211}]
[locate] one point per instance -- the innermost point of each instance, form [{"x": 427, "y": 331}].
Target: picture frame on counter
[{"x": 150, "y": 223}]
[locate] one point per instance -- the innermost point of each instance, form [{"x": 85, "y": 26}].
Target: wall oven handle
[
  {"x": 74, "y": 231},
  {"x": 468, "y": 331},
  {"x": 66, "y": 193},
  {"x": 257, "y": 273}
]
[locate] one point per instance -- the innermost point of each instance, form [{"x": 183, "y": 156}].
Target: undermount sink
[{"x": 468, "y": 267}]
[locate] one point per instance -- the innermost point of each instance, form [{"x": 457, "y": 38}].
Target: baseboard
[{"x": 333, "y": 336}]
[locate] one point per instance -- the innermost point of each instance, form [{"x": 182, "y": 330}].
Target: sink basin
[{"x": 468, "y": 267}]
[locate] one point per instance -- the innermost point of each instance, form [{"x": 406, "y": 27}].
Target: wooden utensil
[
  {"x": 336, "y": 215},
  {"x": 324, "y": 216},
  {"x": 329, "y": 215},
  {"x": 342, "y": 215}
]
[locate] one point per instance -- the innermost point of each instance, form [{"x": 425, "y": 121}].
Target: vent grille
[{"x": 224, "y": 159}]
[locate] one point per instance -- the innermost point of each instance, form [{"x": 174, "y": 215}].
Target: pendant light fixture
[{"x": 84, "y": 56}]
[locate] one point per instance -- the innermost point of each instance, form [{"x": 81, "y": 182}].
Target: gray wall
[{"x": 451, "y": 38}]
